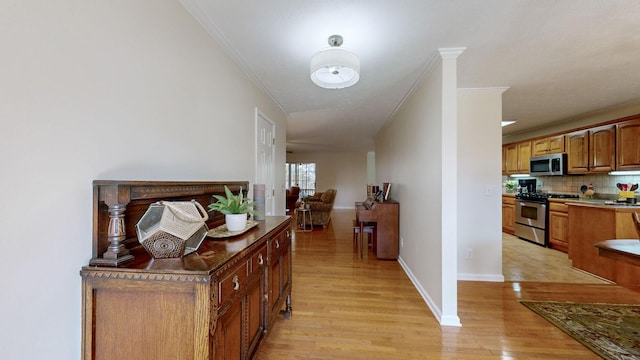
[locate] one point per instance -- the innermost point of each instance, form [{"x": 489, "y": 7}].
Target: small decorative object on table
[
  {"x": 172, "y": 229},
  {"x": 590, "y": 191},
  {"x": 235, "y": 208}
]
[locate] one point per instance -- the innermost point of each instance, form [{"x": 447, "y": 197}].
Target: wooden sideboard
[{"x": 216, "y": 303}]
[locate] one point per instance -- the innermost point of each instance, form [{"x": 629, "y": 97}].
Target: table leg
[{"x": 361, "y": 239}]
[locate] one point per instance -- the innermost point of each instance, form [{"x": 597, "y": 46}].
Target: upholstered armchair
[
  {"x": 292, "y": 196},
  {"x": 321, "y": 205}
]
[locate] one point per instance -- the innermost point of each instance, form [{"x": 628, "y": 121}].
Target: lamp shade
[{"x": 335, "y": 68}]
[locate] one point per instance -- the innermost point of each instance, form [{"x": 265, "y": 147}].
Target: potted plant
[
  {"x": 510, "y": 186},
  {"x": 235, "y": 209}
]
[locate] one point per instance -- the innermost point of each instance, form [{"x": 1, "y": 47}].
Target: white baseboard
[
  {"x": 481, "y": 277},
  {"x": 437, "y": 312}
]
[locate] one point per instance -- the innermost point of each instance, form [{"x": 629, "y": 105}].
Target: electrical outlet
[
  {"x": 469, "y": 253},
  {"x": 401, "y": 242}
]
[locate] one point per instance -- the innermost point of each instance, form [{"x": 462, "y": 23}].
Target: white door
[{"x": 265, "y": 148}]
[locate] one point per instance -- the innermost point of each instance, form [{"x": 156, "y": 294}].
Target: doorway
[{"x": 265, "y": 150}]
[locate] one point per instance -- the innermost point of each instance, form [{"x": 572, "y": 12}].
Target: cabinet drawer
[
  {"x": 560, "y": 207},
  {"x": 280, "y": 242},
  {"x": 508, "y": 199},
  {"x": 233, "y": 282},
  {"x": 258, "y": 260}
]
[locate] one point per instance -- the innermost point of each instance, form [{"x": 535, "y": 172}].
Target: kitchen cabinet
[
  {"x": 558, "y": 225},
  {"x": 577, "y": 144},
  {"x": 524, "y": 155},
  {"x": 508, "y": 213},
  {"x": 591, "y": 150},
  {"x": 548, "y": 145},
  {"x": 516, "y": 158},
  {"x": 602, "y": 145},
  {"x": 510, "y": 159},
  {"x": 628, "y": 145}
]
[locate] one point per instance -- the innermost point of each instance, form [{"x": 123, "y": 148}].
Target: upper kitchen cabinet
[
  {"x": 591, "y": 150},
  {"x": 516, "y": 158},
  {"x": 602, "y": 149},
  {"x": 510, "y": 159},
  {"x": 548, "y": 145},
  {"x": 524, "y": 154},
  {"x": 577, "y": 144},
  {"x": 628, "y": 145}
]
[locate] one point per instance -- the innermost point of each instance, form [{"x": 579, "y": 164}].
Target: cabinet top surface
[
  {"x": 603, "y": 204},
  {"x": 211, "y": 255}
]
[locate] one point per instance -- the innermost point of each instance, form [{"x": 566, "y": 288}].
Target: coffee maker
[{"x": 526, "y": 186}]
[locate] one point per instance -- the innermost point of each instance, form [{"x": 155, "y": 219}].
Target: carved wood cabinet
[{"x": 215, "y": 303}]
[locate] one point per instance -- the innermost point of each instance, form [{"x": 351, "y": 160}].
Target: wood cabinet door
[
  {"x": 628, "y": 145},
  {"x": 549, "y": 145},
  {"x": 524, "y": 155},
  {"x": 508, "y": 218},
  {"x": 602, "y": 155},
  {"x": 578, "y": 152},
  {"x": 511, "y": 158},
  {"x": 228, "y": 338},
  {"x": 255, "y": 315},
  {"x": 556, "y": 144},
  {"x": 558, "y": 230},
  {"x": 540, "y": 147}
]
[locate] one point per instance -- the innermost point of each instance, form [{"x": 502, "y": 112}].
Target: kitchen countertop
[
  {"x": 600, "y": 203},
  {"x": 627, "y": 250}
]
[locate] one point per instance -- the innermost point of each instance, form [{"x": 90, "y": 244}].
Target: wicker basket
[{"x": 172, "y": 229}]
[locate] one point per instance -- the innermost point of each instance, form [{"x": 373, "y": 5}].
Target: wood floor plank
[{"x": 345, "y": 307}]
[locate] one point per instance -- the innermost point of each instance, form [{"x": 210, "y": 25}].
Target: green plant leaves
[{"x": 232, "y": 204}]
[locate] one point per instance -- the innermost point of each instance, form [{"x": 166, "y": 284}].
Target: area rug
[{"x": 611, "y": 331}]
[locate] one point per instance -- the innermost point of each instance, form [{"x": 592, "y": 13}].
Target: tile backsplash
[{"x": 603, "y": 184}]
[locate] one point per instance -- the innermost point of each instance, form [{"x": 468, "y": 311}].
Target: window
[{"x": 302, "y": 175}]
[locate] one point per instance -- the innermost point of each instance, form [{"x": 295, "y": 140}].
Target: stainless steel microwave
[{"x": 552, "y": 164}]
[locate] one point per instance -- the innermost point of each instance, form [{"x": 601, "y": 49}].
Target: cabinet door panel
[
  {"x": 511, "y": 158},
  {"x": 578, "y": 152},
  {"x": 558, "y": 230},
  {"x": 255, "y": 322},
  {"x": 628, "y": 145},
  {"x": 602, "y": 149},
  {"x": 556, "y": 144},
  {"x": 524, "y": 155},
  {"x": 228, "y": 339},
  {"x": 540, "y": 147},
  {"x": 508, "y": 218}
]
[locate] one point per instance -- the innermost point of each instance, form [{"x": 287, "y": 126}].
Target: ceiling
[{"x": 559, "y": 59}]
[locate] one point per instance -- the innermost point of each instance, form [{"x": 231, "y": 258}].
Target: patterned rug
[{"x": 611, "y": 331}]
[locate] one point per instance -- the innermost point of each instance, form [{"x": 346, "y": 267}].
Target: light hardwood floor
[{"x": 345, "y": 307}]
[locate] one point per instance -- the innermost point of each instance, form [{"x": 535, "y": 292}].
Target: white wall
[
  {"x": 344, "y": 171},
  {"x": 479, "y": 184},
  {"x": 102, "y": 90},
  {"x": 416, "y": 152}
]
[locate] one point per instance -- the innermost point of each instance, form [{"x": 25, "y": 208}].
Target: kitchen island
[{"x": 591, "y": 222}]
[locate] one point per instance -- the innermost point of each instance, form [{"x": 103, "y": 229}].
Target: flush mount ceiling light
[{"x": 335, "y": 68}]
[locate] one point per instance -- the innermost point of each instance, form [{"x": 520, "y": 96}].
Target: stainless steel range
[{"x": 532, "y": 214}]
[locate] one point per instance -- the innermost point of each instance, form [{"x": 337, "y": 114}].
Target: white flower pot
[{"x": 236, "y": 222}]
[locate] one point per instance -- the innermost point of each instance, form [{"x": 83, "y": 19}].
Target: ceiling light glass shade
[{"x": 335, "y": 68}]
